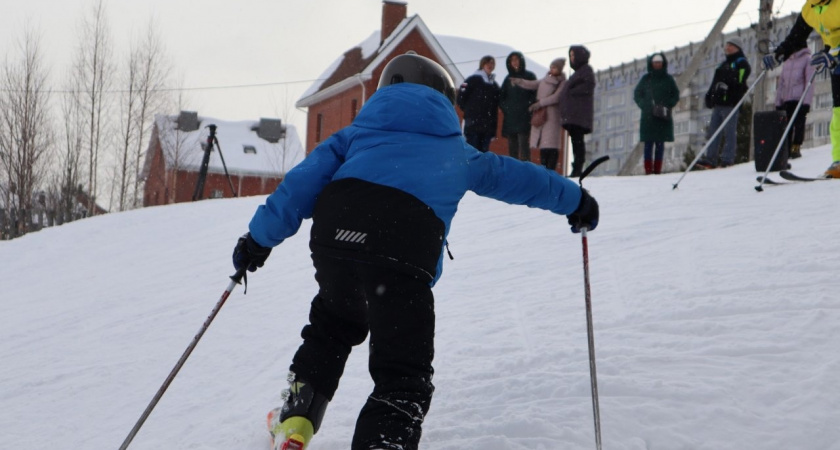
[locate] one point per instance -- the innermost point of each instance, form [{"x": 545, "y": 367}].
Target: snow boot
[
  {"x": 657, "y": 167},
  {"x": 292, "y": 425},
  {"x": 648, "y": 167},
  {"x": 795, "y": 151},
  {"x": 833, "y": 170}
]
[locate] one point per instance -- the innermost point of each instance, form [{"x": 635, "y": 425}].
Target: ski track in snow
[{"x": 716, "y": 317}]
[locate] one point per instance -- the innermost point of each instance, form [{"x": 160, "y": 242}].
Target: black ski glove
[
  {"x": 586, "y": 214},
  {"x": 248, "y": 253}
]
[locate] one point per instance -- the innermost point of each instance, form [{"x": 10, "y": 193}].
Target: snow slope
[{"x": 717, "y": 325}]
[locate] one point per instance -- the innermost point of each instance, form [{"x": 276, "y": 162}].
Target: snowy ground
[{"x": 717, "y": 325}]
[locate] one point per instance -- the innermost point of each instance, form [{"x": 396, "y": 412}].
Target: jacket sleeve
[
  {"x": 554, "y": 97},
  {"x": 796, "y": 39},
  {"x": 640, "y": 94},
  {"x": 674, "y": 97},
  {"x": 294, "y": 199},
  {"x": 464, "y": 93},
  {"x": 520, "y": 183}
]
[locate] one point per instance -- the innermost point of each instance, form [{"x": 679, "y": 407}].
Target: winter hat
[
  {"x": 736, "y": 42},
  {"x": 560, "y": 63},
  {"x": 657, "y": 58}
]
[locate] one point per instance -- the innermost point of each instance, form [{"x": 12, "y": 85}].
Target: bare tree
[
  {"x": 26, "y": 134},
  {"x": 69, "y": 171},
  {"x": 94, "y": 69},
  {"x": 154, "y": 74},
  {"x": 128, "y": 103}
]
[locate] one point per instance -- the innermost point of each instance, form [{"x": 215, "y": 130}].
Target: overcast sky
[{"x": 288, "y": 44}]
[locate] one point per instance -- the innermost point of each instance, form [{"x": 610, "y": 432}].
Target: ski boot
[
  {"x": 833, "y": 170},
  {"x": 795, "y": 151},
  {"x": 292, "y": 425}
]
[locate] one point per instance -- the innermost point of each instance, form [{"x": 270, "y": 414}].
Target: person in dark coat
[
  {"x": 577, "y": 104},
  {"x": 478, "y": 98},
  {"x": 514, "y": 103},
  {"x": 657, "y": 87},
  {"x": 729, "y": 85},
  {"x": 382, "y": 194}
]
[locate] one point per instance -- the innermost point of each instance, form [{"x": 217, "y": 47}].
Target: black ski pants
[{"x": 397, "y": 309}]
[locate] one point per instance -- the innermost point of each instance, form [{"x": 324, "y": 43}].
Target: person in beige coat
[{"x": 547, "y": 137}]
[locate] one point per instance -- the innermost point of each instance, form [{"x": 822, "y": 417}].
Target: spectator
[
  {"x": 382, "y": 193},
  {"x": 657, "y": 88},
  {"x": 796, "y": 72},
  {"x": 514, "y": 103},
  {"x": 547, "y": 136},
  {"x": 729, "y": 85},
  {"x": 478, "y": 98},
  {"x": 577, "y": 104}
]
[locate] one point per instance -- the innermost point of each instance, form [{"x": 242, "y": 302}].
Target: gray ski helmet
[{"x": 413, "y": 68}]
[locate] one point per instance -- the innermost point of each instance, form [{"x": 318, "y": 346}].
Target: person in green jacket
[
  {"x": 514, "y": 103},
  {"x": 656, "y": 95}
]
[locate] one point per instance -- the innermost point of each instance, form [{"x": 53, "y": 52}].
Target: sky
[
  {"x": 715, "y": 319},
  {"x": 283, "y": 46}
]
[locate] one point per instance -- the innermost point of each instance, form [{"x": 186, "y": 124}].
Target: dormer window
[{"x": 249, "y": 149}]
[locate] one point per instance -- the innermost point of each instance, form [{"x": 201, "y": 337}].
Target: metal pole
[
  {"x": 235, "y": 279},
  {"x": 760, "y": 187},
  {"x": 593, "y": 377},
  {"x": 720, "y": 128}
]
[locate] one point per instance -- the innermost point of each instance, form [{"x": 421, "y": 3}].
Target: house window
[
  {"x": 217, "y": 193},
  {"x": 354, "y": 108},
  {"x": 249, "y": 149},
  {"x": 319, "y": 127}
]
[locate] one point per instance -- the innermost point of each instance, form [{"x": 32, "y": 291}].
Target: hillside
[{"x": 717, "y": 325}]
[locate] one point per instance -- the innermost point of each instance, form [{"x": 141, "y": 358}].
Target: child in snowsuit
[{"x": 381, "y": 194}]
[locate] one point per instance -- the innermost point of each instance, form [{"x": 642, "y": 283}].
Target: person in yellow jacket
[{"x": 823, "y": 16}]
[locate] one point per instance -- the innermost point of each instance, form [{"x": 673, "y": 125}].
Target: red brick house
[
  {"x": 257, "y": 155},
  {"x": 336, "y": 97}
]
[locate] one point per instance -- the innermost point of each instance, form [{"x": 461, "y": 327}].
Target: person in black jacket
[
  {"x": 514, "y": 103},
  {"x": 478, "y": 98},
  {"x": 577, "y": 104},
  {"x": 729, "y": 85}
]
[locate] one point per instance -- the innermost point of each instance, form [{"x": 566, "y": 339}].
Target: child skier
[{"x": 381, "y": 194}]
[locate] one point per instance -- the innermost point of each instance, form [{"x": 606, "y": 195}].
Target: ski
[
  {"x": 769, "y": 181},
  {"x": 793, "y": 177}
]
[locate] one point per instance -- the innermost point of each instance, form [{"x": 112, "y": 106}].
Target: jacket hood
[
  {"x": 581, "y": 56},
  {"x": 521, "y": 63},
  {"x": 410, "y": 108},
  {"x": 664, "y": 63}
]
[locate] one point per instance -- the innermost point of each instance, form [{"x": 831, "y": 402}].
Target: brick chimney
[{"x": 393, "y": 12}]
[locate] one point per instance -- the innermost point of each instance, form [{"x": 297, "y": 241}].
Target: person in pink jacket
[
  {"x": 547, "y": 136},
  {"x": 796, "y": 71}
]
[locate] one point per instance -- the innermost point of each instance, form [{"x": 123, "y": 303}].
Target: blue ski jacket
[{"x": 407, "y": 136}]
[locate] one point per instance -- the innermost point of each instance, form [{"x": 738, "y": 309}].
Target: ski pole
[
  {"x": 760, "y": 187},
  {"x": 235, "y": 279},
  {"x": 720, "y": 128},
  {"x": 593, "y": 377}
]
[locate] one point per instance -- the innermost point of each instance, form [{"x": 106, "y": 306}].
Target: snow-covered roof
[
  {"x": 243, "y": 151},
  {"x": 458, "y": 55}
]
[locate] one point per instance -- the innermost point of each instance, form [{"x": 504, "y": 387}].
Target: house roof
[
  {"x": 458, "y": 55},
  {"x": 184, "y": 148}
]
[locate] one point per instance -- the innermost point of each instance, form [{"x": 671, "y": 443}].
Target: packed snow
[{"x": 716, "y": 318}]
